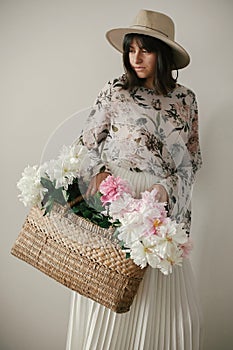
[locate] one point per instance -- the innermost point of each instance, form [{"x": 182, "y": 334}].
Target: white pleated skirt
[{"x": 165, "y": 314}]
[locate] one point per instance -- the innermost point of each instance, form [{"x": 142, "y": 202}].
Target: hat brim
[{"x": 180, "y": 55}]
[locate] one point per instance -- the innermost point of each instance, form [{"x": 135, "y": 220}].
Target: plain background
[{"x": 54, "y": 60}]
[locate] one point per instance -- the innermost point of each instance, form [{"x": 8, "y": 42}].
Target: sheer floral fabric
[{"x": 143, "y": 132}]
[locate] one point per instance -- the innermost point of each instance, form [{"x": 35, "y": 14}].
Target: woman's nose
[{"x": 138, "y": 57}]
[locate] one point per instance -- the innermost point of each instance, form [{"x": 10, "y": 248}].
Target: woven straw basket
[{"x": 80, "y": 255}]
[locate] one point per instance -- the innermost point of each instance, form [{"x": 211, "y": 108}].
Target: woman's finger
[{"x": 95, "y": 183}]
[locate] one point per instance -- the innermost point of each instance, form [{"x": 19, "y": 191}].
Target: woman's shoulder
[
  {"x": 116, "y": 83},
  {"x": 183, "y": 94},
  {"x": 183, "y": 90},
  {"x": 111, "y": 88}
]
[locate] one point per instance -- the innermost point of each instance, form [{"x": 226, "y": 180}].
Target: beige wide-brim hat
[{"x": 157, "y": 25}]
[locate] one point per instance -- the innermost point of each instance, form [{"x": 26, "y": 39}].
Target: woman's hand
[
  {"x": 95, "y": 183},
  {"x": 161, "y": 195}
]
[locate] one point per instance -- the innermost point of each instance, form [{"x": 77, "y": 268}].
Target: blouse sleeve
[
  {"x": 96, "y": 131},
  {"x": 180, "y": 182},
  {"x": 193, "y": 144}
]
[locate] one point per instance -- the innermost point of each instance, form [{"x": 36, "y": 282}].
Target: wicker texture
[{"x": 80, "y": 255}]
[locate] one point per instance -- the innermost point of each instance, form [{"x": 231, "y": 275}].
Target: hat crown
[{"x": 156, "y": 21}]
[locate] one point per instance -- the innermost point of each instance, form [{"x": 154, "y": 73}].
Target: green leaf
[
  {"x": 65, "y": 195},
  {"x": 58, "y": 196},
  {"x": 46, "y": 183},
  {"x": 86, "y": 214},
  {"x": 76, "y": 210},
  {"x": 48, "y": 206}
]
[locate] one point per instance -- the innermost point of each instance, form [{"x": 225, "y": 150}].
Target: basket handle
[{"x": 76, "y": 200}]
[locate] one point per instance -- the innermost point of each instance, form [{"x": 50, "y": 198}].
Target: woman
[{"x": 144, "y": 128}]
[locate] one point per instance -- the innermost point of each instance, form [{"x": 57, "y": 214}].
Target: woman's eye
[{"x": 144, "y": 51}]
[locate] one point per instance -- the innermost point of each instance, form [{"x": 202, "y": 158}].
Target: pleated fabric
[{"x": 165, "y": 314}]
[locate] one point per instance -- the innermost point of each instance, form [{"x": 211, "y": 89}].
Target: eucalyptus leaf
[{"x": 46, "y": 183}]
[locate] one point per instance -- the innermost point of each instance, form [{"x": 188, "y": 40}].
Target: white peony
[
  {"x": 31, "y": 189},
  {"x": 132, "y": 228},
  {"x": 145, "y": 252},
  {"x": 175, "y": 258},
  {"x": 64, "y": 169},
  {"x": 170, "y": 236}
]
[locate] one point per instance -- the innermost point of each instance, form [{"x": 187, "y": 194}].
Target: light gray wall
[{"x": 54, "y": 60}]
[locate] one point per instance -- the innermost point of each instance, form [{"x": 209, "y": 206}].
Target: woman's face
[{"x": 143, "y": 63}]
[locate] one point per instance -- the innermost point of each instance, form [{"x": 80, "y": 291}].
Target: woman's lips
[{"x": 139, "y": 68}]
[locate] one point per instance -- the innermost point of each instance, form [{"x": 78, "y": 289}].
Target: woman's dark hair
[{"x": 164, "y": 81}]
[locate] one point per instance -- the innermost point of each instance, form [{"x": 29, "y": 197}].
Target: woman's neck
[{"x": 149, "y": 84}]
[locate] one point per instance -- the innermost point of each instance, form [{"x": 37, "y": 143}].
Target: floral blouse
[{"x": 145, "y": 132}]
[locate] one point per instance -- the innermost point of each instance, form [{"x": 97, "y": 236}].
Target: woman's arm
[
  {"x": 93, "y": 137},
  {"x": 178, "y": 185}
]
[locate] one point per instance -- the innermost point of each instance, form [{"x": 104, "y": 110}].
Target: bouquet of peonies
[
  {"x": 143, "y": 229},
  {"x": 146, "y": 233}
]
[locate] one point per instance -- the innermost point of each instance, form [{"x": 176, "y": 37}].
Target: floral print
[{"x": 145, "y": 132}]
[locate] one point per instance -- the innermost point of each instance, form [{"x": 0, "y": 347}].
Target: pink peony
[
  {"x": 148, "y": 201},
  {"x": 154, "y": 212},
  {"x": 112, "y": 188},
  {"x": 186, "y": 248}
]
